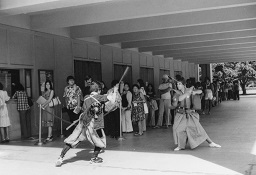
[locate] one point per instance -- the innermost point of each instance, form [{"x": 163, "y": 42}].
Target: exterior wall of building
[{"x": 26, "y": 49}]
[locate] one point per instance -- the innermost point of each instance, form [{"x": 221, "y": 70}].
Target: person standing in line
[
  {"x": 4, "y": 117},
  {"x": 126, "y": 109},
  {"x": 152, "y": 104},
  {"x": 165, "y": 102},
  {"x": 47, "y": 117},
  {"x": 208, "y": 89},
  {"x": 73, "y": 96},
  {"x": 236, "y": 91},
  {"x": 142, "y": 86},
  {"x": 23, "y": 108},
  {"x": 187, "y": 128},
  {"x": 114, "y": 116},
  {"x": 138, "y": 114}
]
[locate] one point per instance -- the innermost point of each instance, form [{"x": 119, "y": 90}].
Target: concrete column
[{"x": 206, "y": 70}]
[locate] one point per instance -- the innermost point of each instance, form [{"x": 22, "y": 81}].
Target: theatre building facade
[{"x": 31, "y": 57}]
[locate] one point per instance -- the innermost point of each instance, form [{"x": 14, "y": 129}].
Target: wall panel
[
  {"x": 20, "y": 47},
  {"x": 3, "y": 46},
  {"x": 135, "y": 66},
  {"x": 143, "y": 60},
  {"x": 150, "y": 62},
  {"x": 44, "y": 52},
  {"x": 80, "y": 50},
  {"x": 127, "y": 57},
  {"x": 166, "y": 63},
  {"x": 107, "y": 65},
  {"x": 117, "y": 55},
  {"x": 93, "y": 51},
  {"x": 161, "y": 62}
]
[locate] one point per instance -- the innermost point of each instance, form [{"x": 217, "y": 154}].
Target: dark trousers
[
  {"x": 115, "y": 123},
  {"x": 236, "y": 95},
  {"x": 97, "y": 149},
  {"x": 25, "y": 123},
  {"x": 72, "y": 117}
]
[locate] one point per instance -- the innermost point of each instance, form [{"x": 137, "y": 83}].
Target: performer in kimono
[
  {"x": 187, "y": 127},
  {"x": 91, "y": 122}
]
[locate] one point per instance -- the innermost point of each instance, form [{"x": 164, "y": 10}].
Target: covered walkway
[{"x": 232, "y": 124}]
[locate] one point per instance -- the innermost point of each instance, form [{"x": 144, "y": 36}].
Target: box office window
[
  {"x": 83, "y": 68},
  {"x": 147, "y": 75},
  {"x": 119, "y": 70},
  {"x": 9, "y": 77}
]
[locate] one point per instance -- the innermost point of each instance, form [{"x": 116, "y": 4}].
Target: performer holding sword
[{"x": 91, "y": 121}]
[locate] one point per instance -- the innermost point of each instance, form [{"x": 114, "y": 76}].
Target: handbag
[
  {"x": 54, "y": 102},
  {"x": 145, "y": 108}
]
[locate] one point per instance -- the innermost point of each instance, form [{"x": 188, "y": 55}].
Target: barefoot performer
[{"x": 187, "y": 127}]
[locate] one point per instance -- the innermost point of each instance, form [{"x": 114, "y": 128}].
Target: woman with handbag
[
  {"x": 138, "y": 114},
  {"x": 141, "y": 84},
  {"x": 47, "y": 117}
]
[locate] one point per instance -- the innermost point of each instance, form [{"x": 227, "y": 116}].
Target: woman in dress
[
  {"x": 126, "y": 109},
  {"x": 187, "y": 128},
  {"x": 138, "y": 114},
  {"x": 47, "y": 118},
  {"x": 4, "y": 117},
  {"x": 141, "y": 84}
]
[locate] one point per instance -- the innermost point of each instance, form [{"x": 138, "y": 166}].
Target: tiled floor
[{"x": 232, "y": 125}]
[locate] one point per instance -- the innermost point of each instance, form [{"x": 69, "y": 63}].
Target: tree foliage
[{"x": 244, "y": 72}]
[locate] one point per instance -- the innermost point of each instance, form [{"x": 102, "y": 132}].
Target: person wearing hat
[
  {"x": 73, "y": 96},
  {"x": 187, "y": 128},
  {"x": 165, "y": 102}
]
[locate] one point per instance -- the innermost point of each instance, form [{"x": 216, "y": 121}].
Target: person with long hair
[
  {"x": 4, "y": 116},
  {"x": 23, "y": 109},
  {"x": 187, "y": 128},
  {"x": 152, "y": 104},
  {"x": 47, "y": 117},
  {"x": 142, "y": 89},
  {"x": 126, "y": 109},
  {"x": 138, "y": 114}
]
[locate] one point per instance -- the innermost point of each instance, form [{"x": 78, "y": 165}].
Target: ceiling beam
[
  {"x": 185, "y": 31},
  {"x": 160, "y": 22},
  {"x": 205, "y": 49},
  {"x": 208, "y": 53},
  {"x": 223, "y": 60},
  {"x": 16, "y": 7},
  {"x": 199, "y": 44},
  {"x": 218, "y": 55},
  {"x": 124, "y": 9},
  {"x": 190, "y": 39}
]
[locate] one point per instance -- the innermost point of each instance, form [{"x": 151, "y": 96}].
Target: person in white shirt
[{"x": 165, "y": 102}]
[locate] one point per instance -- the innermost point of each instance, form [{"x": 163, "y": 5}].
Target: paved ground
[{"x": 232, "y": 125}]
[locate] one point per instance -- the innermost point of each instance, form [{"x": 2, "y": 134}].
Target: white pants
[{"x": 126, "y": 121}]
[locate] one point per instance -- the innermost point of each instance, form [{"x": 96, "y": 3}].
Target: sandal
[
  {"x": 138, "y": 134},
  {"x": 49, "y": 139}
]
